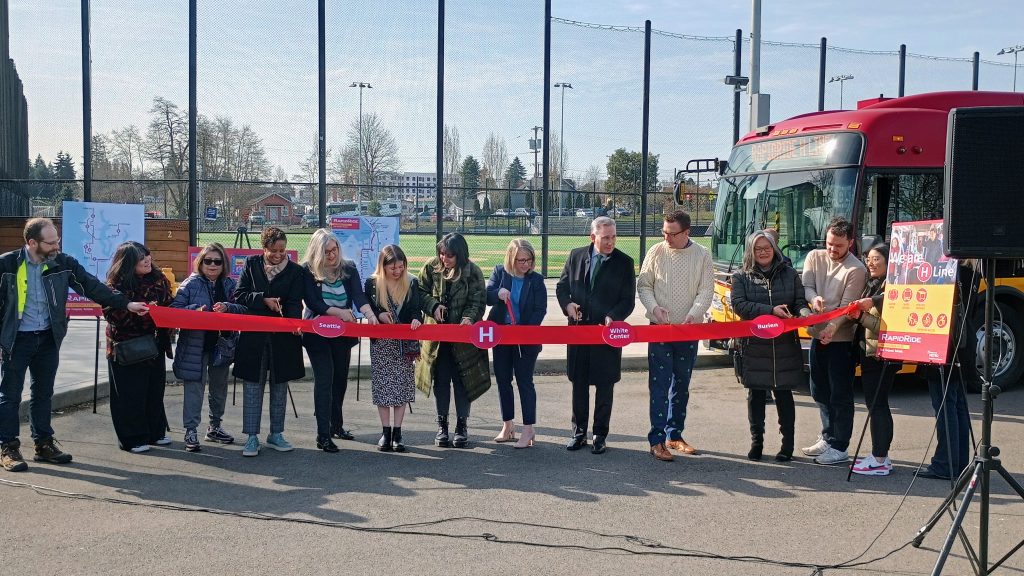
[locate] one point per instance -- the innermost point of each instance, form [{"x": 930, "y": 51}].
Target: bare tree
[
  {"x": 167, "y": 148},
  {"x": 452, "y": 156},
  {"x": 495, "y": 158},
  {"x": 376, "y": 151}
]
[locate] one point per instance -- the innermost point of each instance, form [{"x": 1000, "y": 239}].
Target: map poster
[
  {"x": 236, "y": 258},
  {"x": 919, "y": 295},
  {"x": 91, "y": 233},
  {"x": 362, "y": 237}
]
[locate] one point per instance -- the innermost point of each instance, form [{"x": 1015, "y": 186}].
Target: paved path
[{"x": 308, "y": 512}]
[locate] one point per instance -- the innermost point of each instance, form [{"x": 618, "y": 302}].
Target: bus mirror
[
  {"x": 723, "y": 165},
  {"x": 680, "y": 192},
  {"x": 702, "y": 165}
]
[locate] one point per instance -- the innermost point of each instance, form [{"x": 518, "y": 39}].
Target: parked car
[
  {"x": 525, "y": 212},
  {"x": 502, "y": 212},
  {"x": 423, "y": 216},
  {"x": 616, "y": 212},
  {"x": 585, "y": 213},
  {"x": 256, "y": 219},
  {"x": 310, "y": 220},
  {"x": 562, "y": 212}
]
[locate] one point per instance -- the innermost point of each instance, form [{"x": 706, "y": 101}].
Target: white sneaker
[
  {"x": 140, "y": 449},
  {"x": 871, "y": 466},
  {"x": 832, "y": 456},
  {"x": 163, "y": 441},
  {"x": 816, "y": 449}
]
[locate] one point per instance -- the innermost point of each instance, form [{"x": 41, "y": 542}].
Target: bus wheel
[{"x": 1008, "y": 342}]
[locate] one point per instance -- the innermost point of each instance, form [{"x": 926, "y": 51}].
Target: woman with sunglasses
[
  {"x": 517, "y": 295},
  {"x": 453, "y": 292},
  {"x": 203, "y": 356},
  {"x": 332, "y": 289}
]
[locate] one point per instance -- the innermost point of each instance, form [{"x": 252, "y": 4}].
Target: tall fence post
[
  {"x": 322, "y": 114},
  {"x": 193, "y": 117},
  {"x": 439, "y": 196},
  {"x": 903, "y": 69},
  {"x": 644, "y": 149},
  {"x": 822, "y": 55},
  {"x": 547, "y": 152},
  {"x": 737, "y": 69},
  {"x": 975, "y": 64},
  {"x": 86, "y": 105}
]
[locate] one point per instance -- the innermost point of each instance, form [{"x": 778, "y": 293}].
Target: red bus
[{"x": 880, "y": 163}]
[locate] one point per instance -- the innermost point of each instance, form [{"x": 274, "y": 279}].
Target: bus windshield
[{"x": 795, "y": 185}]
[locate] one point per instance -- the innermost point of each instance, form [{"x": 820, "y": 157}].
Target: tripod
[
  {"x": 985, "y": 462},
  {"x": 242, "y": 236}
]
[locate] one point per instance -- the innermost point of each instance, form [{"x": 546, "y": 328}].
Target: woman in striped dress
[{"x": 332, "y": 289}]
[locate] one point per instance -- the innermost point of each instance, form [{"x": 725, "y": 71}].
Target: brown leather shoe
[
  {"x": 661, "y": 453},
  {"x": 681, "y": 446}
]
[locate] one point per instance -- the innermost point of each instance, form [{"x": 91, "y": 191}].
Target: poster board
[
  {"x": 91, "y": 233},
  {"x": 919, "y": 295},
  {"x": 362, "y": 237}
]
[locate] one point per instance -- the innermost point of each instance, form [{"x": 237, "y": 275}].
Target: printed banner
[
  {"x": 236, "y": 258},
  {"x": 919, "y": 295},
  {"x": 91, "y": 233},
  {"x": 486, "y": 334},
  {"x": 362, "y": 237}
]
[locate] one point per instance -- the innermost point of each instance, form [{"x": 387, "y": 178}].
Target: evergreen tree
[
  {"x": 515, "y": 174},
  {"x": 40, "y": 172},
  {"x": 64, "y": 169}
]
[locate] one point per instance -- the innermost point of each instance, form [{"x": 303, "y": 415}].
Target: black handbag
[{"x": 136, "y": 350}]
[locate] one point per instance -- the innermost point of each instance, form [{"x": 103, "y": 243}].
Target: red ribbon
[{"x": 764, "y": 326}]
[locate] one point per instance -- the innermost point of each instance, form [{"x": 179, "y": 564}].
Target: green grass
[{"x": 485, "y": 251}]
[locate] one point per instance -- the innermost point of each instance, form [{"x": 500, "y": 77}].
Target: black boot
[
  {"x": 786, "y": 452},
  {"x": 384, "y": 444},
  {"x": 756, "y": 446},
  {"x": 396, "y": 439},
  {"x": 461, "y": 433},
  {"x": 442, "y": 432}
]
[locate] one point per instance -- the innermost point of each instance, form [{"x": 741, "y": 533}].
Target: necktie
[{"x": 598, "y": 260}]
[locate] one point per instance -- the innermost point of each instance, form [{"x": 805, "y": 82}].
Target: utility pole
[{"x": 535, "y": 146}]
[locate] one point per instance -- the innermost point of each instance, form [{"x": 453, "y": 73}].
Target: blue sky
[{"x": 258, "y": 66}]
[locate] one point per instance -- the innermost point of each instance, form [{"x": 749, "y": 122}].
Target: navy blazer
[{"x": 533, "y": 300}]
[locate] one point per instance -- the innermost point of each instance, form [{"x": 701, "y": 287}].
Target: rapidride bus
[{"x": 880, "y": 163}]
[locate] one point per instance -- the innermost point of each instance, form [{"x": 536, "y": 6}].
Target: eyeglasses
[
  {"x": 524, "y": 260},
  {"x": 668, "y": 234},
  {"x": 763, "y": 249},
  {"x": 51, "y": 243},
  {"x": 212, "y": 261}
]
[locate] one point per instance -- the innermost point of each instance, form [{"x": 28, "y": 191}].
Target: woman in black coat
[
  {"x": 767, "y": 285},
  {"x": 270, "y": 285}
]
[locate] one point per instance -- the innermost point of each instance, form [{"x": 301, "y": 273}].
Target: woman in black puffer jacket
[{"x": 767, "y": 285}]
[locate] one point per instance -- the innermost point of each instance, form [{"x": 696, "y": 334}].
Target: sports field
[{"x": 485, "y": 251}]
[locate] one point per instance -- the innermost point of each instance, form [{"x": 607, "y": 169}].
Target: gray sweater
[{"x": 839, "y": 283}]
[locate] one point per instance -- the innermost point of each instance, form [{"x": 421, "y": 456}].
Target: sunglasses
[{"x": 212, "y": 261}]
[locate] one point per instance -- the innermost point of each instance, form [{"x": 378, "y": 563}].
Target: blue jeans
[
  {"x": 670, "y": 365},
  {"x": 952, "y": 424},
  {"x": 520, "y": 361},
  {"x": 832, "y": 368},
  {"x": 37, "y": 353}
]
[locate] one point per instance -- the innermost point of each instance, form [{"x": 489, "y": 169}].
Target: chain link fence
[{"x": 257, "y": 138}]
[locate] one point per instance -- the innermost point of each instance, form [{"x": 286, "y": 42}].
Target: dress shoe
[
  {"x": 507, "y": 434},
  {"x": 661, "y": 453},
  {"x": 576, "y": 443},
  {"x": 342, "y": 434},
  {"x": 927, "y": 472},
  {"x": 681, "y": 446},
  {"x": 526, "y": 438},
  {"x": 599, "y": 445}
]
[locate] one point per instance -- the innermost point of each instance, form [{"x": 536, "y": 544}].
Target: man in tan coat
[{"x": 833, "y": 277}]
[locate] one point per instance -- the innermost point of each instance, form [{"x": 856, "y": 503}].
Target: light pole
[
  {"x": 561, "y": 144},
  {"x": 1012, "y": 50},
  {"x": 841, "y": 78},
  {"x": 360, "y": 85}
]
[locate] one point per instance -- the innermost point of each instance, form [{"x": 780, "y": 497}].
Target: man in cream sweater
[
  {"x": 675, "y": 285},
  {"x": 833, "y": 277}
]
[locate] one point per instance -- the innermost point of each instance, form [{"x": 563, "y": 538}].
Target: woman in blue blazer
[{"x": 516, "y": 286}]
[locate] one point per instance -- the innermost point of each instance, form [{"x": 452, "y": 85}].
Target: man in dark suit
[{"x": 598, "y": 285}]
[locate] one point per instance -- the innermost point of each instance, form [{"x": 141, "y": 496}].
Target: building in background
[{"x": 13, "y": 128}]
